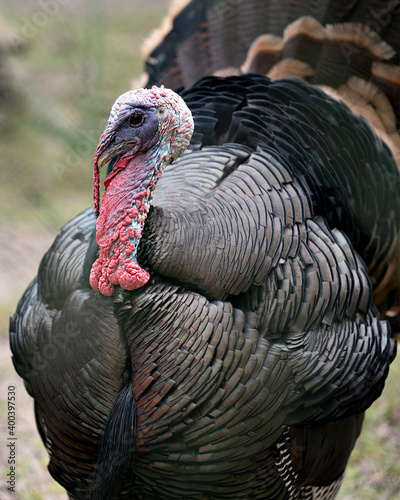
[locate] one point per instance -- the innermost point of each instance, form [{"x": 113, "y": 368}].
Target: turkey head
[{"x": 147, "y": 129}]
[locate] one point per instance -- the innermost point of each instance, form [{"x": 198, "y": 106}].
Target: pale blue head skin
[{"x": 140, "y": 120}]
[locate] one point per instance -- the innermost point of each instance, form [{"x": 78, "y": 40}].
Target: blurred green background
[{"x": 62, "y": 65}]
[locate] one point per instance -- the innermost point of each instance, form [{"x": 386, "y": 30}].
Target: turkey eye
[{"x": 136, "y": 119}]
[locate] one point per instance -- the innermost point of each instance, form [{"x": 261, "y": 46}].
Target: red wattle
[{"x": 119, "y": 226}]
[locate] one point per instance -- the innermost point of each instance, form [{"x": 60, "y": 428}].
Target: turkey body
[
  {"x": 256, "y": 341},
  {"x": 255, "y": 344}
]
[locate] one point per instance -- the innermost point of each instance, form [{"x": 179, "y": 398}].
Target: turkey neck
[
  {"x": 128, "y": 193},
  {"x": 126, "y": 202}
]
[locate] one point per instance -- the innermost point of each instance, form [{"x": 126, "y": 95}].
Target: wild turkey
[{"x": 233, "y": 346}]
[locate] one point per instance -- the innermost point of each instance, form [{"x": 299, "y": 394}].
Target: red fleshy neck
[{"x": 124, "y": 209}]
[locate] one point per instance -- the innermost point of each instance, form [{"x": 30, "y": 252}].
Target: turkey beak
[
  {"x": 106, "y": 150},
  {"x": 103, "y": 156},
  {"x": 102, "y": 159}
]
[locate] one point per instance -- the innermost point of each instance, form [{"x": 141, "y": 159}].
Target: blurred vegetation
[
  {"x": 374, "y": 469},
  {"x": 73, "y": 60},
  {"x": 60, "y": 72}
]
